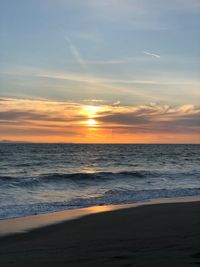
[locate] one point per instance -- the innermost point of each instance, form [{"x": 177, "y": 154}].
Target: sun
[
  {"x": 91, "y": 122},
  {"x": 90, "y": 111}
]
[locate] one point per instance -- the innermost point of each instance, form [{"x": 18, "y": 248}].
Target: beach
[{"x": 149, "y": 235}]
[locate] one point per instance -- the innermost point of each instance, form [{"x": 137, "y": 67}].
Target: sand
[{"x": 153, "y": 235}]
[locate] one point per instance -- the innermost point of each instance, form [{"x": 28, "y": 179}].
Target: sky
[{"x": 109, "y": 71}]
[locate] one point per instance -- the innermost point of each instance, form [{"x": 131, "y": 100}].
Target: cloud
[
  {"x": 116, "y": 103},
  {"x": 28, "y": 115},
  {"x": 154, "y": 118},
  {"x": 2, "y": 99},
  {"x": 94, "y": 100},
  {"x": 151, "y": 54},
  {"x": 50, "y": 121},
  {"x": 91, "y": 79},
  {"x": 123, "y": 119},
  {"x": 76, "y": 54},
  {"x": 25, "y": 110},
  {"x": 62, "y": 114}
]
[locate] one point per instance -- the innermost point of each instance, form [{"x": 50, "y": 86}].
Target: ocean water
[{"x": 40, "y": 178}]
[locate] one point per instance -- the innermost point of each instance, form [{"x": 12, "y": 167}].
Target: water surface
[{"x": 40, "y": 178}]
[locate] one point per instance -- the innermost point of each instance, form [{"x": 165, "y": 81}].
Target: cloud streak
[
  {"x": 151, "y": 54},
  {"x": 92, "y": 79}
]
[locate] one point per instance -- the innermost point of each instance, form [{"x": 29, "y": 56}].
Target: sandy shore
[{"x": 152, "y": 235}]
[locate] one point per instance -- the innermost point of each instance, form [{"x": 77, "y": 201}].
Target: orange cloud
[{"x": 50, "y": 121}]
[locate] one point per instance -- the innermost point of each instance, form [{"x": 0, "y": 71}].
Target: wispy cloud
[
  {"x": 154, "y": 119},
  {"x": 126, "y": 87},
  {"x": 91, "y": 78},
  {"x": 94, "y": 100},
  {"x": 151, "y": 54},
  {"x": 95, "y": 78},
  {"x": 116, "y": 103},
  {"x": 76, "y": 54}
]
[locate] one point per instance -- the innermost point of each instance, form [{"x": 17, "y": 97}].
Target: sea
[{"x": 42, "y": 178}]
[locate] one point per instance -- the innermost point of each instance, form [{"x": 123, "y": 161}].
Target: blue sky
[{"x": 111, "y": 41}]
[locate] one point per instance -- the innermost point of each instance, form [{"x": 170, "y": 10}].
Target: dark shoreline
[{"x": 153, "y": 235}]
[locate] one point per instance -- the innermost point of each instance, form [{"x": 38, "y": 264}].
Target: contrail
[
  {"x": 76, "y": 53},
  {"x": 152, "y": 55}
]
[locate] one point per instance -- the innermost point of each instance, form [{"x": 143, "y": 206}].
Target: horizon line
[{"x": 82, "y": 143}]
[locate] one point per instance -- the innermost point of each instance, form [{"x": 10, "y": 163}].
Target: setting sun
[{"x": 91, "y": 122}]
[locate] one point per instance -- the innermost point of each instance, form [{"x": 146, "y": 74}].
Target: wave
[
  {"x": 93, "y": 177},
  {"x": 124, "y": 196},
  {"x": 81, "y": 176},
  {"x": 110, "y": 197},
  {"x": 97, "y": 175}
]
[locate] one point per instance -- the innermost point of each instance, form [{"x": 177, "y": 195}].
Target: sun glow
[
  {"x": 90, "y": 111},
  {"x": 91, "y": 122}
]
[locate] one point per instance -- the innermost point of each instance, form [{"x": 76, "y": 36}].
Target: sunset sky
[{"x": 100, "y": 71}]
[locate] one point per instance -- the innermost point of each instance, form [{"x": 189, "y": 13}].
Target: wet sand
[{"x": 151, "y": 235}]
